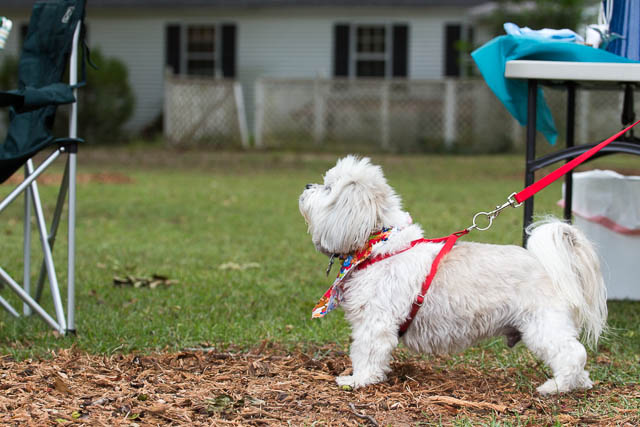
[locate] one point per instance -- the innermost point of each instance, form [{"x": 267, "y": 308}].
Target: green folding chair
[{"x": 53, "y": 40}]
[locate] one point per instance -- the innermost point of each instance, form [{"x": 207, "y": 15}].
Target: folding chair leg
[
  {"x": 26, "y": 278},
  {"x": 27, "y": 298},
  {"x": 57, "y": 214},
  {"x": 68, "y": 183},
  {"x": 32, "y": 177},
  {"x": 72, "y": 163},
  {"x": 48, "y": 256},
  {"x": 71, "y": 256},
  {"x": 8, "y": 307}
]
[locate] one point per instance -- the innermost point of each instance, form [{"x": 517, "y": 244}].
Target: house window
[
  {"x": 370, "y": 50},
  {"x": 201, "y": 55},
  {"x": 201, "y": 50}
]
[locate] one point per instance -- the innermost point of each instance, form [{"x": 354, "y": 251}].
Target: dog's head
[{"x": 354, "y": 201}]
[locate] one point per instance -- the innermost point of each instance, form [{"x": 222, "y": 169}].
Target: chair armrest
[
  {"x": 30, "y": 98},
  {"x": 11, "y": 98},
  {"x": 54, "y": 94}
]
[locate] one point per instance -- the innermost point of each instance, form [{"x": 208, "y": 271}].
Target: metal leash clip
[
  {"x": 490, "y": 216},
  {"x": 331, "y": 263}
]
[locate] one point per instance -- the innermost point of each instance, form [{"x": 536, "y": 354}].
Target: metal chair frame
[{"x": 33, "y": 205}]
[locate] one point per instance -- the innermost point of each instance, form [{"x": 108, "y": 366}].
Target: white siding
[
  {"x": 275, "y": 46},
  {"x": 274, "y": 42},
  {"x": 139, "y": 43}
]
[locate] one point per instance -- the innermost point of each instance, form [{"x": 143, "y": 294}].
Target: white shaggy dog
[{"x": 548, "y": 294}]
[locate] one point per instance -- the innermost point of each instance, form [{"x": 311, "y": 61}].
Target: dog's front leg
[{"x": 370, "y": 354}]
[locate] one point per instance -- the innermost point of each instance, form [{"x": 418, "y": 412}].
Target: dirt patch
[
  {"x": 274, "y": 388},
  {"x": 81, "y": 178}
]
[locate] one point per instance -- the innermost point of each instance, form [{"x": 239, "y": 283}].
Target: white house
[{"x": 249, "y": 39}]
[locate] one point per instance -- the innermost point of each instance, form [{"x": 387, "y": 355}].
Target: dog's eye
[{"x": 327, "y": 187}]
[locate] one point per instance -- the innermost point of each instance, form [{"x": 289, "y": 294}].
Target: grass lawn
[{"x": 224, "y": 228}]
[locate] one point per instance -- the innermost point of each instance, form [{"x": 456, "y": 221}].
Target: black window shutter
[
  {"x": 400, "y": 52},
  {"x": 228, "y": 54},
  {"x": 341, "y": 50},
  {"x": 453, "y": 34},
  {"x": 172, "y": 44}
]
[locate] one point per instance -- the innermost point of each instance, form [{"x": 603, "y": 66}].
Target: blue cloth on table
[{"x": 492, "y": 57}]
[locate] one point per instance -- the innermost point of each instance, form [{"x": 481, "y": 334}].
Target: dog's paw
[
  {"x": 549, "y": 387},
  {"x": 357, "y": 381},
  {"x": 563, "y": 385},
  {"x": 346, "y": 381}
]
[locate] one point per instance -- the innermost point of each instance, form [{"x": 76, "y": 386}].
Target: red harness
[{"x": 449, "y": 241}]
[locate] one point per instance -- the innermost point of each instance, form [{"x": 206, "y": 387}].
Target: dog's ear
[{"x": 350, "y": 220}]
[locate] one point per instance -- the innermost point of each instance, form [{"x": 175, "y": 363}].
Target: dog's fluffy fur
[{"x": 548, "y": 294}]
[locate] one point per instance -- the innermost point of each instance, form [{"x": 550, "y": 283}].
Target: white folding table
[{"x": 572, "y": 75}]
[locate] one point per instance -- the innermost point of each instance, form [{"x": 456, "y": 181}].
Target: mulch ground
[
  {"x": 271, "y": 387},
  {"x": 81, "y": 178}
]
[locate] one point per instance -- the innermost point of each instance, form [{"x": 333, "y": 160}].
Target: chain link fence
[
  {"x": 388, "y": 115},
  {"x": 452, "y": 115},
  {"x": 204, "y": 111},
  {"x": 598, "y": 116}
]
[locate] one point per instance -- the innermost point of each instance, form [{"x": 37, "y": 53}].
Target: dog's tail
[{"x": 572, "y": 263}]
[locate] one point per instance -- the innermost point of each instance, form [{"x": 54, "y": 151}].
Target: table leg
[
  {"x": 628, "y": 112},
  {"x": 571, "y": 122},
  {"x": 529, "y": 174}
]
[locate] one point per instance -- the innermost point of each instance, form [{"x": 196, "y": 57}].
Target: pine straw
[{"x": 271, "y": 387}]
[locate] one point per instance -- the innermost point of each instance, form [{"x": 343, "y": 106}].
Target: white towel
[{"x": 564, "y": 34}]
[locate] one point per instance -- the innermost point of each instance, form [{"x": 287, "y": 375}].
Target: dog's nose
[{"x": 308, "y": 186}]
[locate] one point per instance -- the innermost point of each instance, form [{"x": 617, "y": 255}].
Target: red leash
[
  {"x": 513, "y": 200},
  {"x": 561, "y": 171}
]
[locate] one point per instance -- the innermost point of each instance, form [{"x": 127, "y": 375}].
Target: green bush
[{"x": 105, "y": 103}]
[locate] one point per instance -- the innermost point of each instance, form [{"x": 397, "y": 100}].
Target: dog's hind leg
[
  {"x": 370, "y": 354},
  {"x": 552, "y": 336},
  {"x": 513, "y": 336}
]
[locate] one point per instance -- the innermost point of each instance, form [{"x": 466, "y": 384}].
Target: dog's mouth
[
  {"x": 305, "y": 216},
  {"x": 303, "y": 209},
  {"x": 306, "y": 221}
]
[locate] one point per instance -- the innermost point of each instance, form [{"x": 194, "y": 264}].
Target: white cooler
[{"x": 606, "y": 207}]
